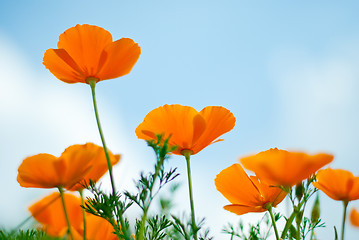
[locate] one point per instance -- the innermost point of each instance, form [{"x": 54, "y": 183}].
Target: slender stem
[
  {"x": 92, "y": 83},
  {"x": 345, "y": 203},
  {"x": 291, "y": 218},
  {"x": 65, "y": 212},
  {"x": 147, "y": 205},
  {"x": 269, "y": 208},
  {"x": 187, "y": 155},
  {"x": 83, "y": 213},
  {"x": 298, "y": 231}
]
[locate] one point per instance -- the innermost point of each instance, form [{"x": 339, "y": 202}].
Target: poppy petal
[
  {"x": 219, "y": 120},
  {"x": 98, "y": 163},
  {"x": 118, "y": 58},
  {"x": 62, "y": 66},
  {"x": 242, "y": 209},
  {"x": 171, "y": 120},
  {"x": 49, "y": 212},
  {"x": 99, "y": 228},
  {"x": 38, "y": 171},
  {"x": 85, "y": 43},
  {"x": 280, "y": 167},
  {"x": 337, "y": 184},
  {"x": 78, "y": 159},
  {"x": 354, "y": 217},
  {"x": 236, "y": 186}
]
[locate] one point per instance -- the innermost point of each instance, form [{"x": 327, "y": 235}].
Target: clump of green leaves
[
  {"x": 113, "y": 207},
  {"x": 259, "y": 231},
  {"x": 29, "y": 234},
  {"x": 304, "y": 226}
]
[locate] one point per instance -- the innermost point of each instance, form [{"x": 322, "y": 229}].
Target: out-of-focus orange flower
[
  {"x": 247, "y": 194},
  {"x": 354, "y": 217},
  {"x": 188, "y": 129},
  {"x": 98, "y": 228},
  {"x": 98, "y": 166},
  {"x": 50, "y": 213},
  {"x": 87, "y": 51},
  {"x": 280, "y": 167},
  {"x": 47, "y": 171},
  {"x": 338, "y": 184}
]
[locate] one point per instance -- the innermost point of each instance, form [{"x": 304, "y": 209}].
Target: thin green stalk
[
  {"x": 92, "y": 83},
  {"x": 298, "y": 231},
  {"x": 269, "y": 208},
  {"x": 147, "y": 205},
  {"x": 65, "y": 212},
  {"x": 290, "y": 219},
  {"x": 187, "y": 155},
  {"x": 83, "y": 213},
  {"x": 345, "y": 203}
]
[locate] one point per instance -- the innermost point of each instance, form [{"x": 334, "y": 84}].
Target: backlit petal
[
  {"x": 60, "y": 64},
  {"x": 236, "y": 186},
  {"x": 49, "y": 212},
  {"x": 280, "y": 167},
  {"x": 98, "y": 165},
  {"x": 118, "y": 58},
  {"x": 338, "y": 184},
  {"x": 38, "y": 171},
  {"x": 171, "y": 120},
  {"x": 85, "y": 44},
  {"x": 272, "y": 194},
  {"x": 99, "y": 229},
  {"x": 78, "y": 159},
  {"x": 219, "y": 120},
  {"x": 242, "y": 209},
  {"x": 354, "y": 217}
]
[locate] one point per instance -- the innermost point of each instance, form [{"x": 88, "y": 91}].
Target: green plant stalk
[
  {"x": 269, "y": 208},
  {"x": 65, "y": 212},
  {"x": 83, "y": 213},
  {"x": 92, "y": 83},
  {"x": 345, "y": 203},
  {"x": 291, "y": 218},
  {"x": 187, "y": 155},
  {"x": 298, "y": 231},
  {"x": 147, "y": 205}
]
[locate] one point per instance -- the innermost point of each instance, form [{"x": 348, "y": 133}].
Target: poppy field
[{"x": 80, "y": 208}]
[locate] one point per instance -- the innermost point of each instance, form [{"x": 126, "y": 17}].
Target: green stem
[
  {"x": 345, "y": 203},
  {"x": 147, "y": 205},
  {"x": 92, "y": 83},
  {"x": 290, "y": 219},
  {"x": 187, "y": 155},
  {"x": 65, "y": 212},
  {"x": 298, "y": 231},
  {"x": 269, "y": 208},
  {"x": 83, "y": 213}
]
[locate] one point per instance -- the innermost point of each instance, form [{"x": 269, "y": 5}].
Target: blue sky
[{"x": 287, "y": 70}]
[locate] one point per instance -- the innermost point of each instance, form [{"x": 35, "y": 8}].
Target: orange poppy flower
[
  {"x": 189, "y": 129},
  {"x": 338, "y": 184},
  {"x": 354, "y": 217},
  {"x": 280, "y": 167},
  {"x": 47, "y": 171},
  {"x": 87, "y": 51},
  {"x": 98, "y": 166},
  {"x": 247, "y": 194},
  {"x": 50, "y": 213},
  {"x": 98, "y": 228}
]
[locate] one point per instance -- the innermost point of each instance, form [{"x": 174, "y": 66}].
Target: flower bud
[{"x": 316, "y": 210}]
